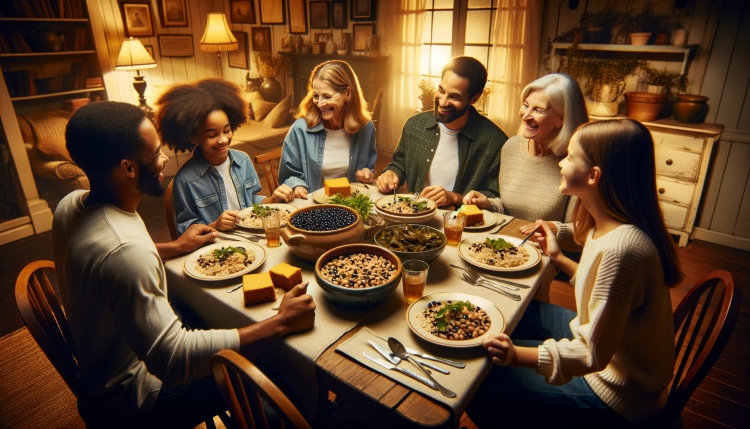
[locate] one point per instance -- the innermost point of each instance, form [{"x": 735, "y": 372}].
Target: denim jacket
[
  {"x": 198, "y": 190},
  {"x": 302, "y": 156}
]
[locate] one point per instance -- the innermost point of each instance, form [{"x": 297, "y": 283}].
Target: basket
[{"x": 645, "y": 107}]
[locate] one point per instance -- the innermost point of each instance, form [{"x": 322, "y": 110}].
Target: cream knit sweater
[{"x": 624, "y": 334}]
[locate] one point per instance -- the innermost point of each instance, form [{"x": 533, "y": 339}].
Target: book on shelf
[
  {"x": 4, "y": 46},
  {"x": 80, "y": 70},
  {"x": 93, "y": 82},
  {"x": 42, "y": 9},
  {"x": 20, "y": 83},
  {"x": 74, "y": 104},
  {"x": 18, "y": 43}
]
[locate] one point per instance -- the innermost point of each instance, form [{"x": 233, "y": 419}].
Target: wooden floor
[{"x": 721, "y": 401}]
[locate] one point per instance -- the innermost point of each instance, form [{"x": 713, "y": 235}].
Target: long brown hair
[
  {"x": 624, "y": 151},
  {"x": 340, "y": 76}
]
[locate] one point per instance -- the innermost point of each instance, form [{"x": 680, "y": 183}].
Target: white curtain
[
  {"x": 401, "y": 23},
  {"x": 514, "y": 59}
]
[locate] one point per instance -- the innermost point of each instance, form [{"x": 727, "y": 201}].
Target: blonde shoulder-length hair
[
  {"x": 565, "y": 98},
  {"x": 340, "y": 76}
]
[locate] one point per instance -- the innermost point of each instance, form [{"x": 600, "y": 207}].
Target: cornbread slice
[
  {"x": 285, "y": 276},
  {"x": 472, "y": 213},
  {"x": 258, "y": 288},
  {"x": 338, "y": 186}
]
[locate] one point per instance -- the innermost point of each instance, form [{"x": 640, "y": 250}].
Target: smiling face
[
  {"x": 330, "y": 102},
  {"x": 151, "y": 163},
  {"x": 452, "y": 98},
  {"x": 214, "y": 136},
  {"x": 578, "y": 175},
  {"x": 540, "y": 122}
]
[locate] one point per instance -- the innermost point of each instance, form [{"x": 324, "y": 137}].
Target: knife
[
  {"x": 395, "y": 359},
  {"x": 404, "y": 371},
  {"x": 426, "y": 356}
]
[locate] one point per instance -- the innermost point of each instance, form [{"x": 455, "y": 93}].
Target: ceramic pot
[
  {"x": 253, "y": 84},
  {"x": 287, "y": 43},
  {"x": 270, "y": 89},
  {"x": 600, "y": 35},
  {"x": 653, "y": 89},
  {"x": 639, "y": 39},
  {"x": 689, "y": 108},
  {"x": 603, "y": 109},
  {"x": 311, "y": 244},
  {"x": 373, "y": 225},
  {"x": 427, "y": 104},
  {"x": 680, "y": 37},
  {"x": 300, "y": 45},
  {"x": 46, "y": 41},
  {"x": 330, "y": 47},
  {"x": 645, "y": 107},
  {"x": 427, "y": 256},
  {"x": 661, "y": 39}
]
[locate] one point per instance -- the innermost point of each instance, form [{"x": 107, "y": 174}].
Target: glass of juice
[
  {"x": 453, "y": 226},
  {"x": 271, "y": 224},
  {"x": 414, "y": 277}
]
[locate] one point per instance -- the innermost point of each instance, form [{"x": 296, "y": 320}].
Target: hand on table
[
  {"x": 196, "y": 236},
  {"x": 300, "y": 192},
  {"x": 226, "y": 220},
  {"x": 282, "y": 193},
  {"x": 388, "y": 181},
  {"x": 297, "y": 310},
  {"x": 478, "y": 199},
  {"x": 439, "y": 195},
  {"x": 547, "y": 240},
  {"x": 526, "y": 229},
  {"x": 364, "y": 175},
  {"x": 501, "y": 348}
]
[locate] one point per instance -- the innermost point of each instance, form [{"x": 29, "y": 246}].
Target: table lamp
[
  {"x": 133, "y": 56},
  {"x": 217, "y": 38}
]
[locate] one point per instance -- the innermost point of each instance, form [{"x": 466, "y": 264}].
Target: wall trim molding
[
  {"x": 720, "y": 238},
  {"x": 737, "y": 136}
]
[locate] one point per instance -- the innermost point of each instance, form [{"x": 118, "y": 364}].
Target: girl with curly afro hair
[
  {"x": 217, "y": 182},
  {"x": 333, "y": 136}
]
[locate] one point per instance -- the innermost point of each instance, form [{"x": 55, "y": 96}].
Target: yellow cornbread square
[
  {"x": 472, "y": 214},
  {"x": 258, "y": 288},
  {"x": 286, "y": 276},
  {"x": 338, "y": 186}
]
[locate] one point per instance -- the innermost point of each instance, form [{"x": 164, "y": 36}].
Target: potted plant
[
  {"x": 639, "y": 28},
  {"x": 599, "y": 25},
  {"x": 269, "y": 66},
  {"x": 489, "y": 88},
  {"x": 661, "y": 82},
  {"x": 646, "y": 106},
  {"x": 427, "y": 94}
]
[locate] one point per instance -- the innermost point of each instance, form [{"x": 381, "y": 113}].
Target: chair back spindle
[
  {"x": 268, "y": 171},
  {"x": 169, "y": 211}
]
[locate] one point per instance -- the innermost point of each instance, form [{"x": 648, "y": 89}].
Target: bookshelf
[{"x": 42, "y": 39}]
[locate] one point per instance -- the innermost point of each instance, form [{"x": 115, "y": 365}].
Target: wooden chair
[
  {"x": 377, "y": 106},
  {"x": 706, "y": 336},
  {"x": 169, "y": 211},
  {"x": 271, "y": 177},
  {"x": 234, "y": 374}
]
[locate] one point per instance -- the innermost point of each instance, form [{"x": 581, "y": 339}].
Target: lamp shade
[
  {"x": 133, "y": 56},
  {"x": 218, "y": 36}
]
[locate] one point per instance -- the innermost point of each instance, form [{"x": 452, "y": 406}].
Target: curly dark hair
[
  {"x": 468, "y": 68},
  {"x": 183, "y": 108}
]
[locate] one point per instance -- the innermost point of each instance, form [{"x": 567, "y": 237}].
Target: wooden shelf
[
  {"x": 327, "y": 57},
  {"x": 658, "y": 49},
  {"x": 57, "y": 94},
  {"x": 46, "y": 54},
  {"x": 44, "y": 19}
]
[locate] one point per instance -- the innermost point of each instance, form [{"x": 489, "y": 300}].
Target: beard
[
  {"x": 148, "y": 181},
  {"x": 451, "y": 116}
]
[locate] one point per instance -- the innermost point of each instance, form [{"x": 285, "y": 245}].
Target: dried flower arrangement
[{"x": 270, "y": 65}]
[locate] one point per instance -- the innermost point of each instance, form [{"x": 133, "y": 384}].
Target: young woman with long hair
[{"x": 613, "y": 360}]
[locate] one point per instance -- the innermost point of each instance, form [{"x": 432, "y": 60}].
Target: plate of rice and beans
[
  {"x": 498, "y": 253},
  {"x": 454, "y": 319},
  {"x": 405, "y": 206},
  {"x": 224, "y": 260},
  {"x": 252, "y": 216}
]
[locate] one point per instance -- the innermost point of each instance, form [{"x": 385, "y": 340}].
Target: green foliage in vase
[{"x": 665, "y": 79}]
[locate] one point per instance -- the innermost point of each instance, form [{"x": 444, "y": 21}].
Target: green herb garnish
[
  {"x": 219, "y": 253},
  {"x": 361, "y": 203},
  {"x": 498, "y": 244},
  {"x": 418, "y": 206},
  {"x": 261, "y": 211},
  {"x": 442, "y": 315}
]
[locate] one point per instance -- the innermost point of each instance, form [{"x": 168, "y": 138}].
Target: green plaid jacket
[{"x": 479, "y": 144}]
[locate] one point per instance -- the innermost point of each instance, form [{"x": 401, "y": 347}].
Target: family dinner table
[{"x": 307, "y": 365}]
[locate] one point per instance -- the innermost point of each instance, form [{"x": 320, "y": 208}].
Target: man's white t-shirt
[
  {"x": 336, "y": 154},
  {"x": 444, "y": 167},
  {"x": 233, "y": 203}
]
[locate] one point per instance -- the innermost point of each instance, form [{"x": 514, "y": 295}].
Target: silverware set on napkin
[
  {"x": 496, "y": 284},
  {"x": 239, "y": 236}
]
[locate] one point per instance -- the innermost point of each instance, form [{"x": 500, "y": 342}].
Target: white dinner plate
[
  {"x": 489, "y": 220},
  {"x": 280, "y": 206},
  {"x": 465, "y": 244},
  {"x": 320, "y": 196},
  {"x": 189, "y": 265},
  {"x": 497, "y": 321},
  {"x": 382, "y": 205}
]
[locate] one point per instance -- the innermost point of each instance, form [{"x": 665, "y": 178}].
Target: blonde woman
[
  {"x": 333, "y": 135},
  {"x": 552, "y": 107}
]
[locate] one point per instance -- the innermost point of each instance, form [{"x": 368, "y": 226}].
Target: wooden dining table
[{"x": 307, "y": 363}]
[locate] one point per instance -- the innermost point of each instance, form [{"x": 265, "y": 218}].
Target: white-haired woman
[{"x": 552, "y": 107}]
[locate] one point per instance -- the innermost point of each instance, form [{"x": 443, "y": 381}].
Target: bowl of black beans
[
  {"x": 313, "y": 230},
  {"x": 358, "y": 275}
]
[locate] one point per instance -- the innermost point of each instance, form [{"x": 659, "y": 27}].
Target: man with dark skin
[{"x": 136, "y": 360}]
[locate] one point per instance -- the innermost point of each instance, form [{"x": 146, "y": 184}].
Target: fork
[
  {"x": 229, "y": 237},
  {"x": 485, "y": 284},
  {"x": 491, "y": 279},
  {"x": 415, "y": 196}
]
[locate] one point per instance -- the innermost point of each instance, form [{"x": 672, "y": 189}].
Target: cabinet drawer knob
[
  {"x": 662, "y": 190},
  {"x": 669, "y": 162}
]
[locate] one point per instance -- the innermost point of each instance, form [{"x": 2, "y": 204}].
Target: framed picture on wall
[
  {"x": 338, "y": 14},
  {"x": 239, "y": 58},
  {"x": 272, "y": 12},
  {"x": 319, "y": 15},
  {"x": 297, "y": 17},
  {"x": 176, "y": 46},
  {"x": 363, "y": 10},
  {"x": 242, "y": 11},
  {"x": 150, "y": 50},
  {"x": 136, "y": 18},
  {"x": 362, "y": 33},
  {"x": 261, "y": 39},
  {"x": 173, "y": 13}
]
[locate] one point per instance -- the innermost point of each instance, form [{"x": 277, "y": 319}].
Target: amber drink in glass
[
  {"x": 453, "y": 227},
  {"x": 271, "y": 224},
  {"x": 414, "y": 278}
]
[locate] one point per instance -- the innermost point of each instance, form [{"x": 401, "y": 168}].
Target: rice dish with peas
[
  {"x": 454, "y": 320},
  {"x": 254, "y": 219},
  {"x": 498, "y": 253},
  {"x": 405, "y": 205},
  {"x": 224, "y": 261}
]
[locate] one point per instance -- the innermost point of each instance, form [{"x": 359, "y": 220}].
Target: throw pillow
[
  {"x": 261, "y": 108},
  {"x": 249, "y": 97},
  {"x": 278, "y": 116}
]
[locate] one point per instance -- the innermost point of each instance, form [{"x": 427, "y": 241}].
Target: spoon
[{"x": 399, "y": 350}]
